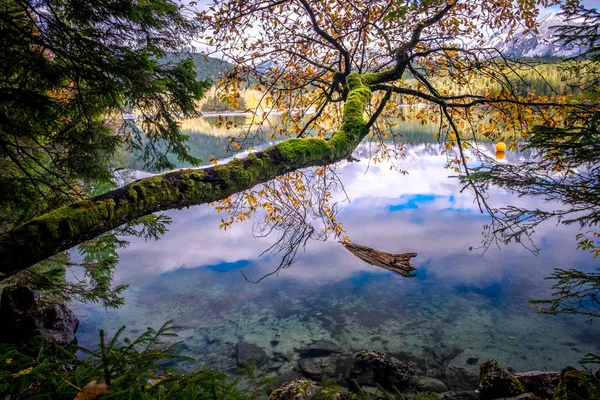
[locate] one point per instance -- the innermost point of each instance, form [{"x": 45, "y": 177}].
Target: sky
[{"x": 586, "y": 3}]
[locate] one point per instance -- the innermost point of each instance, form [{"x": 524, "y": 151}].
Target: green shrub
[{"x": 124, "y": 369}]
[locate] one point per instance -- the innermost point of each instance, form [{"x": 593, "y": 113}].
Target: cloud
[{"x": 422, "y": 212}]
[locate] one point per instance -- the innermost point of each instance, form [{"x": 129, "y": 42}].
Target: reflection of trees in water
[
  {"x": 223, "y": 136},
  {"x": 296, "y": 207},
  {"x": 212, "y": 136},
  {"x": 299, "y": 207}
]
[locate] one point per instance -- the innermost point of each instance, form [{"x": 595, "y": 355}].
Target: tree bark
[
  {"x": 398, "y": 263},
  {"x": 71, "y": 225}
]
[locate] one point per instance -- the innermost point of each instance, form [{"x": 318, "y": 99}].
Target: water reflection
[
  {"x": 211, "y": 135},
  {"x": 478, "y": 303}
]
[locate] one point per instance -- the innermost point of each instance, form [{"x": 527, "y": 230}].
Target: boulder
[
  {"x": 321, "y": 348},
  {"x": 428, "y": 384},
  {"x": 460, "y": 378},
  {"x": 376, "y": 368},
  {"x": 342, "y": 371},
  {"x": 25, "y": 315},
  {"x": 496, "y": 382},
  {"x": 318, "y": 367},
  {"x": 540, "y": 383},
  {"x": 250, "y": 353},
  {"x": 461, "y": 395},
  {"x": 300, "y": 389}
]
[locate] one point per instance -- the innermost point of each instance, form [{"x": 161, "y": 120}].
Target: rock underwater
[
  {"x": 377, "y": 368},
  {"x": 250, "y": 353}
]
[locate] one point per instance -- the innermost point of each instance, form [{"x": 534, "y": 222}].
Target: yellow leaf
[{"x": 22, "y": 372}]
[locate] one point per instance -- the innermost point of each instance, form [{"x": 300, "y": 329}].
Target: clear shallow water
[{"x": 458, "y": 298}]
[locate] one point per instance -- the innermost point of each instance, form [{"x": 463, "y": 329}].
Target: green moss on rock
[
  {"x": 496, "y": 382},
  {"x": 577, "y": 385},
  {"x": 300, "y": 389}
]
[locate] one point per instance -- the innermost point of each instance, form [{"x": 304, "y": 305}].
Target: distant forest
[{"x": 206, "y": 68}]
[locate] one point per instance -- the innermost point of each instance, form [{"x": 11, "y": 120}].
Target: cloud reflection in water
[{"x": 458, "y": 297}]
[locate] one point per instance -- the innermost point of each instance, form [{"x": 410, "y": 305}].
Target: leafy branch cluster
[{"x": 298, "y": 207}]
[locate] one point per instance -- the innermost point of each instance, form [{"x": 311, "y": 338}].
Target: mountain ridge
[
  {"x": 206, "y": 67},
  {"x": 544, "y": 43}
]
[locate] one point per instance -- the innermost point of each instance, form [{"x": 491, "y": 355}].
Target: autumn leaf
[{"x": 93, "y": 391}]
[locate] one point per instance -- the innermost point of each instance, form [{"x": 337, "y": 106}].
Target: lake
[{"x": 477, "y": 301}]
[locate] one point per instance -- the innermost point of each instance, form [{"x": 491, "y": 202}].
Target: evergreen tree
[
  {"x": 71, "y": 74},
  {"x": 69, "y": 71}
]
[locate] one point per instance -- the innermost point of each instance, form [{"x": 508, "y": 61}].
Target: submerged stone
[
  {"x": 24, "y": 315},
  {"x": 278, "y": 361},
  {"x": 250, "y": 353},
  {"x": 416, "y": 363},
  {"x": 375, "y": 368},
  {"x": 318, "y": 367},
  {"x": 321, "y": 348},
  {"x": 438, "y": 357},
  {"x": 428, "y": 384},
  {"x": 496, "y": 382}
]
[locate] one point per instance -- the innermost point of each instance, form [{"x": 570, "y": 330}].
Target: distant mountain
[
  {"x": 541, "y": 44},
  {"x": 206, "y": 68}
]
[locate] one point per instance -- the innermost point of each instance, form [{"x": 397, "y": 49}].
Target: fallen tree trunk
[
  {"x": 71, "y": 225},
  {"x": 398, "y": 263}
]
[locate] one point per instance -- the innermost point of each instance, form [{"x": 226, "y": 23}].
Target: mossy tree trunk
[{"x": 71, "y": 225}]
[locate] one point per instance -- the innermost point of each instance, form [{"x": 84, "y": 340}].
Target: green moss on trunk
[{"x": 71, "y": 225}]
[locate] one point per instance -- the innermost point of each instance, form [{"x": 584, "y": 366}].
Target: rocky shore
[
  {"x": 426, "y": 376},
  {"x": 430, "y": 375}
]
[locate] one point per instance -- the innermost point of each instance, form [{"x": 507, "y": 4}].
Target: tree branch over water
[{"x": 312, "y": 57}]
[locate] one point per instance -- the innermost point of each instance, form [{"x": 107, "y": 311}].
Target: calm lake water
[{"x": 458, "y": 297}]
